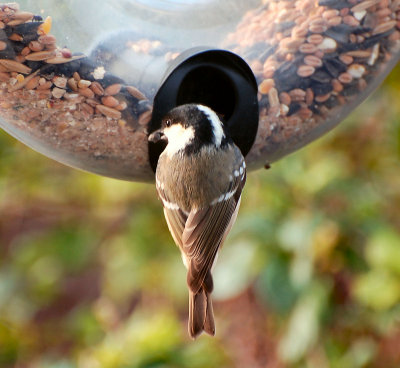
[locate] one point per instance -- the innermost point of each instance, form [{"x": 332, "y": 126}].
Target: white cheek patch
[
  {"x": 178, "y": 138},
  {"x": 215, "y": 123}
]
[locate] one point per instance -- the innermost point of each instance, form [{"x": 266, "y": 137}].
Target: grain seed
[
  {"x": 359, "y": 53},
  {"x": 374, "y": 55},
  {"x": 309, "y": 96},
  {"x": 328, "y": 45},
  {"x": 384, "y": 27},
  {"x": 360, "y": 15},
  {"x": 273, "y": 97},
  {"x": 346, "y": 59},
  {"x": 364, "y": 5},
  {"x": 133, "y": 91},
  {"x": 145, "y": 117},
  {"x": 297, "y": 94},
  {"x": 307, "y": 48},
  {"x": 315, "y": 39},
  {"x": 23, "y": 82},
  {"x": 40, "y": 55},
  {"x": 356, "y": 70},
  {"x": 45, "y": 86},
  {"x": 337, "y": 86},
  {"x": 58, "y": 92},
  {"x": 36, "y": 46},
  {"x": 351, "y": 21},
  {"x": 47, "y": 39},
  {"x": 15, "y": 37},
  {"x": 87, "y": 108},
  {"x": 83, "y": 83},
  {"x": 285, "y": 98},
  {"x": 87, "y": 92},
  {"x": 305, "y": 71},
  {"x": 72, "y": 83},
  {"x": 113, "y": 89},
  {"x": 312, "y": 60},
  {"x": 15, "y": 66},
  {"x": 122, "y": 106},
  {"x": 266, "y": 86},
  {"x": 21, "y": 15},
  {"x": 33, "y": 83},
  {"x": 345, "y": 78},
  {"x": 63, "y": 60},
  {"x": 109, "y": 112},
  {"x": 97, "y": 88},
  {"x": 60, "y": 82},
  {"x": 110, "y": 101}
]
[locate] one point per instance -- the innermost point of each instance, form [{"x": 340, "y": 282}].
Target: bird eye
[{"x": 168, "y": 122}]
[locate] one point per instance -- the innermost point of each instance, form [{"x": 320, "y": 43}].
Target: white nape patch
[
  {"x": 178, "y": 138},
  {"x": 215, "y": 123}
]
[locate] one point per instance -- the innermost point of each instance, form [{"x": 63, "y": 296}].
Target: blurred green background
[{"x": 309, "y": 277}]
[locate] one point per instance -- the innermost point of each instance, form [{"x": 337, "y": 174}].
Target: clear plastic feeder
[{"x": 87, "y": 86}]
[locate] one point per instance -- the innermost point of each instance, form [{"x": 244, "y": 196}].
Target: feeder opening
[
  {"x": 211, "y": 87},
  {"x": 218, "y": 79}
]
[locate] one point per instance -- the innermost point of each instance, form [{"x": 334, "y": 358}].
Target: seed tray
[{"x": 313, "y": 61}]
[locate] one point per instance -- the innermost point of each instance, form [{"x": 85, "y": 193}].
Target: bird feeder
[{"x": 87, "y": 85}]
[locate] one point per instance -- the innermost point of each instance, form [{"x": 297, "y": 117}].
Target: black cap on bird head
[{"x": 191, "y": 127}]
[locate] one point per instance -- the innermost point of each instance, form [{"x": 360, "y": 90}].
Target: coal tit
[{"x": 199, "y": 177}]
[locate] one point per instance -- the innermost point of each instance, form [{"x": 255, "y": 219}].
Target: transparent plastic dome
[{"x": 87, "y": 86}]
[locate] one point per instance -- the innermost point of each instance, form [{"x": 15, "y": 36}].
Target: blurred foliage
[{"x": 309, "y": 277}]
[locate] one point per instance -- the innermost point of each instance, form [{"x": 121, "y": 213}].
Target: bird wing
[
  {"x": 206, "y": 229},
  {"x": 175, "y": 216}
]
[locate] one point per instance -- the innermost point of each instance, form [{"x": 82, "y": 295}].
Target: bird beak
[{"x": 157, "y": 136}]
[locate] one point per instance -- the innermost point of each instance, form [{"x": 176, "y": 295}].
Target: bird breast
[{"x": 194, "y": 181}]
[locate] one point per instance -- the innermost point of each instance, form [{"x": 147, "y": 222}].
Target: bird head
[{"x": 188, "y": 128}]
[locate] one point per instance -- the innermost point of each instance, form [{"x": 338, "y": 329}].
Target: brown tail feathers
[{"x": 201, "y": 315}]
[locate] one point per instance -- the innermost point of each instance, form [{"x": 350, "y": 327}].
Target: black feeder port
[{"x": 218, "y": 79}]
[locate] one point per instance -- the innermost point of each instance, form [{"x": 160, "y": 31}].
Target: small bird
[{"x": 199, "y": 177}]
